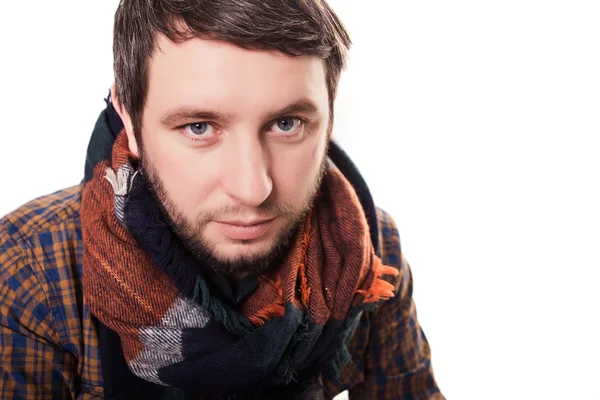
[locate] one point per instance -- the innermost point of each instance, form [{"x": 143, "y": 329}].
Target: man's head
[{"x": 229, "y": 106}]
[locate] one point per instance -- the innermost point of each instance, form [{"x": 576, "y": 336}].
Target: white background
[{"x": 476, "y": 124}]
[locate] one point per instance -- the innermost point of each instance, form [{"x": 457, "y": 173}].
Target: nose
[{"x": 244, "y": 172}]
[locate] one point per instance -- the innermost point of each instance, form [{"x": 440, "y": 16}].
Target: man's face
[{"x": 234, "y": 143}]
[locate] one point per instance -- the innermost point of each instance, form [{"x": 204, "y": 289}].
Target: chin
[
  {"x": 241, "y": 249},
  {"x": 239, "y": 253}
]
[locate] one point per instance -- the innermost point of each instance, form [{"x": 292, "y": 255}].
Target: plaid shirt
[{"x": 49, "y": 340}]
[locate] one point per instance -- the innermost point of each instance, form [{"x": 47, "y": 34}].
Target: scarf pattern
[{"x": 142, "y": 282}]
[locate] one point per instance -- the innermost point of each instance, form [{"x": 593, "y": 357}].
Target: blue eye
[
  {"x": 287, "y": 125},
  {"x": 199, "y": 128}
]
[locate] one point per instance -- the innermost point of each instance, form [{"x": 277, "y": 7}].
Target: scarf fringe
[
  {"x": 380, "y": 289},
  {"x": 304, "y": 288},
  {"x": 272, "y": 310},
  {"x": 233, "y": 322}
]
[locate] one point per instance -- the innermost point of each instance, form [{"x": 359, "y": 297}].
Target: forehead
[{"x": 217, "y": 74}]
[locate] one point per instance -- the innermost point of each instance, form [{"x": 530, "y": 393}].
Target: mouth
[{"x": 245, "y": 230}]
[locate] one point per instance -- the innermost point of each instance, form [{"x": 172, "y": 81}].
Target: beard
[{"x": 190, "y": 232}]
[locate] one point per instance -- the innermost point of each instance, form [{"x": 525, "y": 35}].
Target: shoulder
[
  {"x": 42, "y": 310},
  {"x": 389, "y": 239},
  {"x": 42, "y": 214},
  {"x": 32, "y": 234},
  {"x": 40, "y": 254}
]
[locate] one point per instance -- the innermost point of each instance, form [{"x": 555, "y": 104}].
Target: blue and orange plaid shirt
[{"x": 49, "y": 340}]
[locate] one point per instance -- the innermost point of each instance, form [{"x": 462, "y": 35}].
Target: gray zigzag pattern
[{"x": 162, "y": 343}]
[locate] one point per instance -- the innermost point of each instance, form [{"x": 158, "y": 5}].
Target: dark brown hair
[{"x": 294, "y": 27}]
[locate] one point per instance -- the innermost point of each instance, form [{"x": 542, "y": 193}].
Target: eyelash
[{"x": 303, "y": 122}]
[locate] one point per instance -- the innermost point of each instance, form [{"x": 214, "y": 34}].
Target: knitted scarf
[{"x": 142, "y": 282}]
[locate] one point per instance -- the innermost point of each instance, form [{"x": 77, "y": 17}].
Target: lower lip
[{"x": 238, "y": 232}]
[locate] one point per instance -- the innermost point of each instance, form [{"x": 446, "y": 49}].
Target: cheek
[
  {"x": 295, "y": 170},
  {"x": 185, "y": 175}
]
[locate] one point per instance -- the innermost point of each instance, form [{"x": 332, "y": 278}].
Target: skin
[{"x": 218, "y": 144}]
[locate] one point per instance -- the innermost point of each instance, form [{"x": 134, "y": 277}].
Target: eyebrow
[{"x": 185, "y": 113}]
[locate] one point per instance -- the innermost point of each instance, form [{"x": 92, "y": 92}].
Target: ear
[{"x": 133, "y": 145}]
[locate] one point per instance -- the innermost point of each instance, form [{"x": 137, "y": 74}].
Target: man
[{"x": 220, "y": 245}]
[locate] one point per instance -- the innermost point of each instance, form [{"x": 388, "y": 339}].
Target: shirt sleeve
[
  {"x": 34, "y": 365},
  {"x": 397, "y": 358}
]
